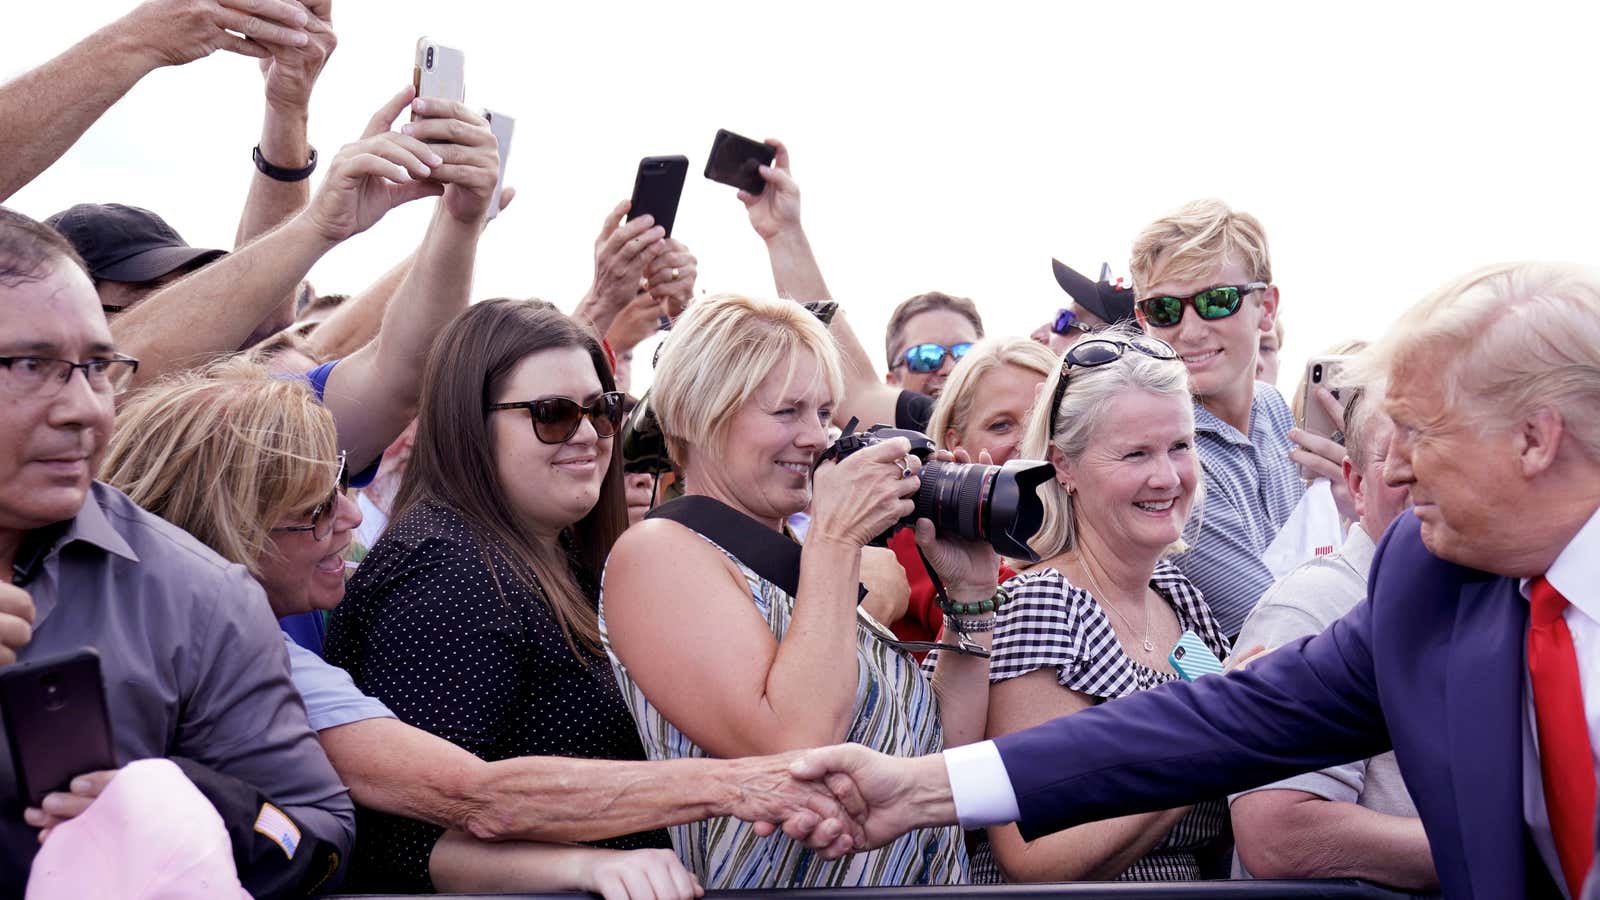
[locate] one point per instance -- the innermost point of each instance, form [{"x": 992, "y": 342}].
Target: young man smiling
[{"x": 1203, "y": 281}]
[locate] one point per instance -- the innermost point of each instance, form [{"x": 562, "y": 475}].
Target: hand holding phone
[
  {"x": 1323, "y": 371},
  {"x": 1191, "y": 658},
  {"x": 656, "y": 189},
  {"x": 439, "y": 71},
  {"x": 736, "y": 160},
  {"x": 503, "y": 126},
  {"x": 54, "y": 711}
]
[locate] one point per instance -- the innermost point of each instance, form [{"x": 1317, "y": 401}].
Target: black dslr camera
[{"x": 996, "y": 504}]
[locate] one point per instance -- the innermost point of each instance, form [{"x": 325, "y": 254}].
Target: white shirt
[
  {"x": 1576, "y": 574},
  {"x": 982, "y": 790}
]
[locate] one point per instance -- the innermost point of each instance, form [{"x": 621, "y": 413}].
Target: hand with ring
[{"x": 860, "y": 497}]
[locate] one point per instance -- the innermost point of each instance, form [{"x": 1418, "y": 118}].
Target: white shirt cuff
[{"x": 980, "y": 786}]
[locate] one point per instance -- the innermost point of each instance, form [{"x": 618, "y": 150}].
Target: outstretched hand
[
  {"x": 766, "y": 795},
  {"x": 176, "y": 32},
  {"x": 887, "y": 796},
  {"x": 777, "y": 208}
]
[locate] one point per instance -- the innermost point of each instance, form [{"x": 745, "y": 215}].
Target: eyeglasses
[
  {"x": 926, "y": 358},
  {"x": 1098, "y": 351},
  {"x": 322, "y": 517},
  {"x": 1211, "y": 303},
  {"x": 1067, "y": 320},
  {"x": 556, "y": 419},
  {"x": 41, "y": 376}
]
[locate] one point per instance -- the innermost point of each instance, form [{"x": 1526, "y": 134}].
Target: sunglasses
[
  {"x": 1211, "y": 304},
  {"x": 1099, "y": 351},
  {"x": 1067, "y": 320},
  {"x": 322, "y": 517},
  {"x": 926, "y": 358},
  {"x": 556, "y": 419}
]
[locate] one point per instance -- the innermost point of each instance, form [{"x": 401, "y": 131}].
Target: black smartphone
[
  {"x": 657, "y": 187},
  {"x": 55, "y": 717},
  {"x": 735, "y": 160}
]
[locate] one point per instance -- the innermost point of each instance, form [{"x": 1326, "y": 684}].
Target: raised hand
[
  {"x": 622, "y": 252},
  {"x": 469, "y": 156},
  {"x": 291, "y": 70},
  {"x": 374, "y": 175},
  {"x": 16, "y": 621},
  {"x": 777, "y": 208},
  {"x": 887, "y": 796},
  {"x": 175, "y": 32},
  {"x": 671, "y": 277}
]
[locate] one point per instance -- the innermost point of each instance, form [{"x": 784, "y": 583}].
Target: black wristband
[{"x": 278, "y": 173}]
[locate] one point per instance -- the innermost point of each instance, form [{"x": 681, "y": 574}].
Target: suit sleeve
[
  {"x": 1310, "y": 704},
  {"x": 244, "y": 741}
]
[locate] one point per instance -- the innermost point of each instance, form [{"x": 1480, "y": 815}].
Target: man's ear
[
  {"x": 1356, "y": 485},
  {"x": 892, "y": 378},
  {"x": 1538, "y": 440},
  {"x": 1269, "y": 308}
]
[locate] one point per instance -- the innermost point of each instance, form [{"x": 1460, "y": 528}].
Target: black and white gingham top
[{"x": 1050, "y": 622}]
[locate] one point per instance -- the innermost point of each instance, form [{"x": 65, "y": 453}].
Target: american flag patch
[{"x": 277, "y": 828}]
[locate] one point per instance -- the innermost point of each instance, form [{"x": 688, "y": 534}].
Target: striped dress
[{"x": 896, "y": 713}]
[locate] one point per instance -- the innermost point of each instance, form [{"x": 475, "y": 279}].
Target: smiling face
[
  {"x": 1135, "y": 481},
  {"x": 299, "y": 572},
  {"x": 936, "y": 326},
  {"x": 549, "y": 487},
  {"x": 50, "y": 442},
  {"x": 1220, "y": 354},
  {"x": 1001, "y": 400},
  {"x": 764, "y": 464}
]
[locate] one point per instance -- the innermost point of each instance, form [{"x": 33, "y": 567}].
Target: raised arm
[
  {"x": 373, "y": 395},
  {"x": 775, "y": 216},
  {"x": 47, "y": 109},
  {"x": 188, "y": 322},
  {"x": 622, "y": 252}
]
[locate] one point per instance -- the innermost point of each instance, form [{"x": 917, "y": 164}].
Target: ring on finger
[
  {"x": 905, "y": 470},
  {"x": 674, "y": 273}
]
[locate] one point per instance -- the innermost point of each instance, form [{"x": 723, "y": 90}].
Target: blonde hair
[
  {"x": 717, "y": 356},
  {"x": 953, "y": 409},
  {"x": 1502, "y": 342},
  {"x": 1187, "y": 244},
  {"x": 225, "y": 453},
  {"x": 1090, "y": 395}
]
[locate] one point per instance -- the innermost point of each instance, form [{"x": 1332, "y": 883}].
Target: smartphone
[
  {"x": 54, "y": 711},
  {"x": 1192, "y": 658},
  {"x": 1322, "y": 371},
  {"x": 502, "y": 125},
  {"x": 439, "y": 71},
  {"x": 735, "y": 159},
  {"x": 657, "y": 187}
]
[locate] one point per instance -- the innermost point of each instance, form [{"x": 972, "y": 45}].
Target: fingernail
[
  {"x": 435, "y": 159},
  {"x": 80, "y": 785},
  {"x": 407, "y": 128},
  {"x": 419, "y": 104}
]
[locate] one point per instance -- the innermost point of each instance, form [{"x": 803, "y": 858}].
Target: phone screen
[{"x": 735, "y": 160}]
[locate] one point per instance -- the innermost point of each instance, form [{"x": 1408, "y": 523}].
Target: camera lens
[
  {"x": 1316, "y": 373},
  {"x": 429, "y": 61},
  {"x": 1177, "y": 653},
  {"x": 997, "y": 504}
]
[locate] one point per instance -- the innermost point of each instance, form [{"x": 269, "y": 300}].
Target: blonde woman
[
  {"x": 1096, "y": 617},
  {"x": 247, "y": 463},
  {"x": 715, "y": 659},
  {"x": 982, "y": 410}
]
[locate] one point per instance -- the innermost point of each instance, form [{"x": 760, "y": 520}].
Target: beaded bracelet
[
  {"x": 971, "y": 624},
  {"x": 991, "y": 605}
]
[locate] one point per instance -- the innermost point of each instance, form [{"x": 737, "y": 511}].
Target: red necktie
[{"x": 1565, "y": 758}]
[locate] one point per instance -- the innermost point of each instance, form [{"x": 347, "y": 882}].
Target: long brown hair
[{"x": 452, "y": 463}]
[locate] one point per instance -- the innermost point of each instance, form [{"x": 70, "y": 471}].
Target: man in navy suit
[{"x": 1476, "y": 657}]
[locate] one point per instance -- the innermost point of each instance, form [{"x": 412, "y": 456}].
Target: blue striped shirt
[{"x": 1251, "y": 487}]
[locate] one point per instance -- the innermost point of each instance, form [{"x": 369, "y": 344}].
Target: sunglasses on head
[
  {"x": 1212, "y": 303},
  {"x": 1098, "y": 351},
  {"x": 556, "y": 419},
  {"x": 926, "y": 358},
  {"x": 322, "y": 516},
  {"x": 1067, "y": 320}
]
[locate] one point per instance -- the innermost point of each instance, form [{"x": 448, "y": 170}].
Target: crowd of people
[{"x": 385, "y": 595}]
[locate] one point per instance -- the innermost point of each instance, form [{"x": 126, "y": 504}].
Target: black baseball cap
[
  {"x": 126, "y": 243},
  {"x": 1111, "y": 302}
]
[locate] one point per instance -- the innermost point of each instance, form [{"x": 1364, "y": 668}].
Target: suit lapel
[{"x": 1483, "y": 698}]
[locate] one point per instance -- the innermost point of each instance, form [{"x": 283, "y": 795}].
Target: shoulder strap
[{"x": 769, "y": 554}]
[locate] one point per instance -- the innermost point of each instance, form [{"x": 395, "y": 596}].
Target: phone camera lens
[
  {"x": 1316, "y": 373},
  {"x": 429, "y": 61},
  {"x": 1177, "y": 653}
]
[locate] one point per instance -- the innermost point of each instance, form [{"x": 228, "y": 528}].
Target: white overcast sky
[{"x": 940, "y": 146}]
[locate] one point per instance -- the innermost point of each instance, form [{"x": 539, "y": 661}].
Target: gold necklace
[{"x": 1105, "y": 601}]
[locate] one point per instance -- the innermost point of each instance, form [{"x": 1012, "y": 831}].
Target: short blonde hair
[
  {"x": 718, "y": 354},
  {"x": 1183, "y": 246},
  {"x": 1090, "y": 395},
  {"x": 953, "y": 409},
  {"x": 225, "y": 453},
  {"x": 1504, "y": 341}
]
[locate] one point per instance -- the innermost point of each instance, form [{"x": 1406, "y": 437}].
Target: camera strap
[{"x": 771, "y": 555}]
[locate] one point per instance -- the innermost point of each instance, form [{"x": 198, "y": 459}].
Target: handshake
[{"x": 841, "y": 799}]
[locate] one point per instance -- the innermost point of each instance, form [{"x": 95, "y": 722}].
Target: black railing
[{"x": 1083, "y": 890}]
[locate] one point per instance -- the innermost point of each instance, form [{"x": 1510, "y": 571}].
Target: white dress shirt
[{"x": 982, "y": 790}]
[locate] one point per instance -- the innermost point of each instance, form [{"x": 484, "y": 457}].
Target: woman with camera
[
  {"x": 1096, "y": 618},
  {"x": 715, "y": 658}
]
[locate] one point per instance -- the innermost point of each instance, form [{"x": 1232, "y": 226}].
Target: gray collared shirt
[{"x": 193, "y": 663}]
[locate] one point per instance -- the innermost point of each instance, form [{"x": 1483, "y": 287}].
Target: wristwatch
[{"x": 279, "y": 173}]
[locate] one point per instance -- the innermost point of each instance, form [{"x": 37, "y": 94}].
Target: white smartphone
[
  {"x": 502, "y": 125},
  {"x": 439, "y": 71}
]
